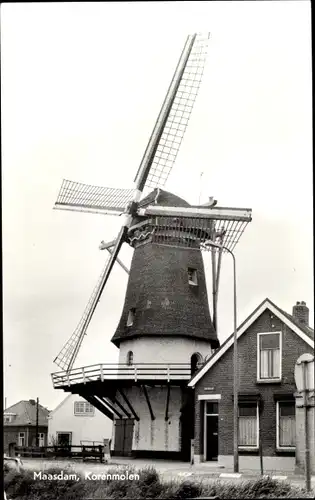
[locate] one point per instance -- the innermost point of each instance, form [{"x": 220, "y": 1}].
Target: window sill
[
  {"x": 269, "y": 381},
  {"x": 252, "y": 449}
]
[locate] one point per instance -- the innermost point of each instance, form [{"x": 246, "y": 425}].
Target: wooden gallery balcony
[{"x": 122, "y": 374}]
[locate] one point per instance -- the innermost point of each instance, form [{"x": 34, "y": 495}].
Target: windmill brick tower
[{"x": 165, "y": 331}]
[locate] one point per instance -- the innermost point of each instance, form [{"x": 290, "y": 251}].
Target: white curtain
[
  {"x": 287, "y": 431},
  {"x": 270, "y": 363},
  {"x": 247, "y": 431}
]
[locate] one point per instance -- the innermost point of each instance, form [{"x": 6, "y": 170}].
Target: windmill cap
[{"x": 163, "y": 198}]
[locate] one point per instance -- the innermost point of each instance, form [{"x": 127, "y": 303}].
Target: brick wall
[
  {"x": 11, "y": 435},
  {"x": 219, "y": 380}
]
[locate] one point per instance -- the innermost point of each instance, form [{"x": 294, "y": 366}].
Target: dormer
[{"x": 8, "y": 417}]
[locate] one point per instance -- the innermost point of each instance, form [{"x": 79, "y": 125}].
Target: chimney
[
  {"x": 301, "y": 312},
  {"x": 32, "y": 402}
]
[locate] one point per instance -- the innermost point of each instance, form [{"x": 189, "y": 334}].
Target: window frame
[
  {"x": 23, "y": 437},
  {"x": 41, "y": 439},
  {"x": 131, "y": 317},
  {"x": 278, "y": 446},
  {"x": 64, "y": 432},
  {"x": 129, "y": 358},
  {"x": 269, "y": 380},
  {"x": 84, "y": 413},
  {"x": 194, "y": 280},
  {"x": 248, "y": 447}
]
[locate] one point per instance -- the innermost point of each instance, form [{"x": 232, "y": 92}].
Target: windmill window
[
  {"x": 131, "y": 316},
  {"x": 130, "y": 358},
  {"x": 192, "y": 276}
]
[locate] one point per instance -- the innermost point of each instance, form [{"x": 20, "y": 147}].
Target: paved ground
[{"x": 167, "y": 469}]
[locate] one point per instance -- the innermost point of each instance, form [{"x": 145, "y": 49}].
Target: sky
[{"x": 82, "y": 84}]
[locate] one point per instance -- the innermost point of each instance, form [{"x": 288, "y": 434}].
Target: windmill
[{"x": 166, "y": 277}]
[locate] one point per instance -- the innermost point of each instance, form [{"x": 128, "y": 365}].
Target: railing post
[
  {"x": 135, "y": 373},
  {"x": 68, "y": 379},
  {"x": 102, "y": 373},
  {"x": 168, "y": 373},
  {"x": 83, "y": 373}
]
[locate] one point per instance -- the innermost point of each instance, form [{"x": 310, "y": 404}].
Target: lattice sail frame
[
  {"x": 81, "y": 197},
  {"x": 179, "y": 115},
  {"x": 68, "y": 350},
  {"x": 85, "y": 198}
]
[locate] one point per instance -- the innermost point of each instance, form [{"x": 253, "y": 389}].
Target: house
[
  {"x": 19, "y": 425},
  {"x": 75, "y": 421},
  {"x": 269, "y": 344}
]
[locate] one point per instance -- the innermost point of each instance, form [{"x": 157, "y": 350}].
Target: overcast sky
[{"x": 81, "y": 87}]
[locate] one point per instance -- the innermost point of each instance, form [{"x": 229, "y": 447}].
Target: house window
[
  {"x": 64, "y": 438},
  {"x": 131, "y": 316},
  {"x": 248, "y": 425},
  {"x": 192, "y": 276},
  {"x": 7, "y": 419},
  {"x": 83, "y": 408},
  {"x": 285, "y": 425},
  {"x": 269, "y": 356},
  {"x": 41, "y": 439},
  {"x": 21, "y": 438},
  {"x": 130, "y": 358}
]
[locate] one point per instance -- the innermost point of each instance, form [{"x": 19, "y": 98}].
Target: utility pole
[{"x": 37, "y": 443}]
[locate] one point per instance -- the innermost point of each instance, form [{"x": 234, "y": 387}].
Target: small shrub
[
  {"x": 188, "y": 489},
  {"x": 149, "y": 484}
]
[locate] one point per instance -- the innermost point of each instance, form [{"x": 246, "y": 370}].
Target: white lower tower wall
[
  {"x": 170, "y": 350},
  {"x": 158, "y": 434}
]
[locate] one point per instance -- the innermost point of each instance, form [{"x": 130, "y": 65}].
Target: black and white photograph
[{"x": 157, "y": 227}]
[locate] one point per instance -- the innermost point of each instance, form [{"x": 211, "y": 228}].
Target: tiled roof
[{"x": 26, "y": 414}]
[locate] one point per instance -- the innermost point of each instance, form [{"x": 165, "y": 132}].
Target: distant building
[
  {"x": 75, "y": 421},
  {"x": 19, "y": 425},
  {"x": 269, "y": 344}
]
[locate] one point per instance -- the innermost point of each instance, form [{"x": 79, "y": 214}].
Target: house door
[
  {"x": 123, "y": 436},
  {"x": 12, "y": 449},
  {"x": 211, "y": 430}
]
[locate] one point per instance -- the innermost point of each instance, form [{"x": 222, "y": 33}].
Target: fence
[
  {"x": 121, "y": 371},
  {"x": 84, "y": 452}
]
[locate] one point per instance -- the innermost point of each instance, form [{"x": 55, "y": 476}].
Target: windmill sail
[
  {"x": 68, "y": 353},
  {"x": 154, "y": 169},
  {"x": 86, "y": 198},
  {"x": 178, "y": 118}
]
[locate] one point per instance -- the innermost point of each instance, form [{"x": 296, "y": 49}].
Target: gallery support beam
[
  {"x": 167, "y": 402},
  {"x": 101, "y": 407},
  {"x": 115, "y": 401},
  {"x": 123, "y": 395},
  {"x": 145, "y": 392},
  {"x": 111, "y": 406}
]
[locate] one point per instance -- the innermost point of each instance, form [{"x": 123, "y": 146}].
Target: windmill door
[{"x": 123, "y": 436}]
